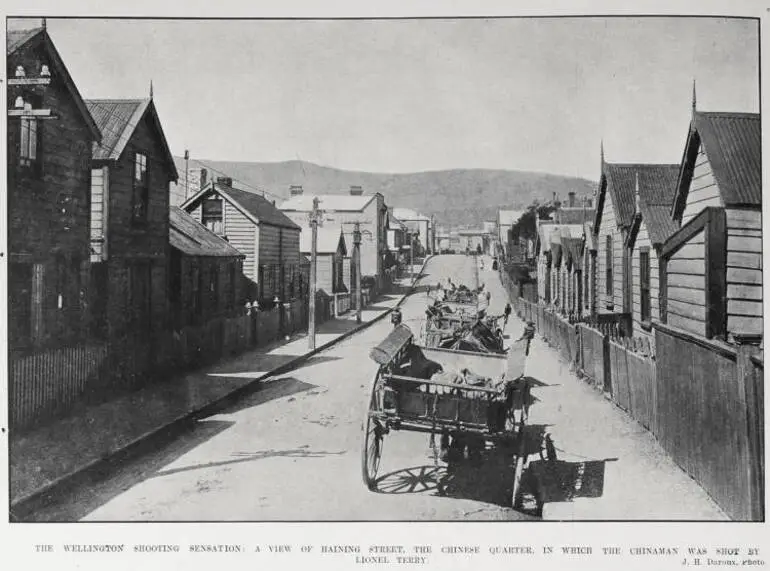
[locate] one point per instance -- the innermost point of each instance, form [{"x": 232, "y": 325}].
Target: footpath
[
  {"x": 55, "y": 454},
  {"x": 609, "y": 467}
]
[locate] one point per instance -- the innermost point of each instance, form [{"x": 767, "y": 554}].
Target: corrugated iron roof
[
  {"x": 573, "y": 215},
  {"x": 621, "y": 184},
  {"x": 657, "y": 218},
  {"x": 117, "y": 119},
  {"x": 258, "y": 206},
  {"x": 409, "y": 215},
  {"x": 509, "y": 217},
  {"x": 192, "y": 238},
  {"x": 17, "y": 38},
  {"x": 573, "y": 248},
  {"x": 733, "y": 144},
  {"x": 327, "y": 240},
  {"x": 338, "y": 202}
]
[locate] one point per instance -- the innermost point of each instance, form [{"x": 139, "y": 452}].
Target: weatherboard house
[
  {"x": 131, "y": 171},
  {"x": 711, "y": 267},
  {"x": 49, "y": 138},
  {"x": 267, "y": 238},
  {"x": 345, "y": 210}
]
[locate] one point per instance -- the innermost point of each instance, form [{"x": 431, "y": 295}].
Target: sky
[{"x": 413, "y": 95}]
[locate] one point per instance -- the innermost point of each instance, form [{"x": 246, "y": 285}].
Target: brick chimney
[
  {"x": 356, "y": 190},
  {"x": 295, "y": 189},
  {"x": 225, "y": 181},
  {"x": 571, "y": 195},
  {"x": 204, "y": 177}
]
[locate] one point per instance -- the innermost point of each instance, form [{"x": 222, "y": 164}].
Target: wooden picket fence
[{"x": 47, "y": 383}]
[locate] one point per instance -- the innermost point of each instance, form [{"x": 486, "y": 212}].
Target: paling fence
[
  {"x": 702, "y": 400},
  {"x": 47, "y": 383}
]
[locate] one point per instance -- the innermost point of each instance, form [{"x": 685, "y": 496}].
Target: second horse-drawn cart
[{"x": 478, "y": 399}]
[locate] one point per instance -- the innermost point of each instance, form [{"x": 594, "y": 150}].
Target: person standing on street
[{"x": 507, "y": 314}]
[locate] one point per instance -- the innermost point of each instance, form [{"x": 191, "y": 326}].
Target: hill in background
[{"x": 458, "y": 197}]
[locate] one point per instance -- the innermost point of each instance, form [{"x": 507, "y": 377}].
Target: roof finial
[
  {"x": 150, "y": 89},
  {"x": 694, "y": 99},
  {"x": 601, "y": 150},
  {"x": 43, "y": 23},
  {"x": 636, "y": 194}
]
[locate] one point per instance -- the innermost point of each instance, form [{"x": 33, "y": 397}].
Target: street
[{"x": 291, "y": 451}]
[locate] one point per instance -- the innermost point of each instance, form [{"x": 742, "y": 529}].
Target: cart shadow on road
[
  {"x": 561, "y": 481},
  {"x": 267, "y": 362},
  {"x": 488, "y": 479}
]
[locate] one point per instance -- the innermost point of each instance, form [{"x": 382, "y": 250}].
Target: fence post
[
  {"x": 754, "y": 398},
  {"x": 606, "y": 365}
]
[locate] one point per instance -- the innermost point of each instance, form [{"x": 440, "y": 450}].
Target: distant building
[
  {"x": 331, "y": 251},
  {"x": 420, "y": 226},
  {"x": 268, "y": 239},
  {"x": 345, "y": 210},
  {"x": 506, "y": 219}
]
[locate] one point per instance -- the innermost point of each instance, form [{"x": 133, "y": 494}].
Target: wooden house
[
  {"x": 589, "y": 271},
  {"x": 331, "y": 252},
  {"x": 615, "y": 213},
  {"x": 345, "y": 210},
  {"x": 573, "y": 276},
  {"x": 548, "y": 259},
  {"x": 711, "y": 267},
  {"x": 419, "y": 227},
  {"x": 652, "y": 224},
  {"x": 268, "y": 239},
  {"x": 50, "y": 134},
  {"x": 205, "y": 273},
  {"x": 130, "y": 174}
]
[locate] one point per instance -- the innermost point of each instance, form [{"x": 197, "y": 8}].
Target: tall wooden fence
[
  {"x": 702, "y": 400},
  {"x": 45, "y": 384}
]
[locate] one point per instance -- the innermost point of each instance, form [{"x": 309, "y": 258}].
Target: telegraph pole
[
  {"x": 314, "y": 214},
  {"x": 357, "y": 261}
]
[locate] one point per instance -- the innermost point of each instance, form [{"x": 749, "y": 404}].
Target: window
[
  {"x": 19, "y": 303},
  {"x": 141, "y": 195},
  {"x": 644, "y": 282},
  {"x": 29, "y": 143},
  {"x": 610, "y": 278},
  {"x": 212, "y": 215}
]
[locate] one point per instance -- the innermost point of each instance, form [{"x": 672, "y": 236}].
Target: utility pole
[
  {"x": 357, "y": 261},
  {"x": 314, "y": 216}
]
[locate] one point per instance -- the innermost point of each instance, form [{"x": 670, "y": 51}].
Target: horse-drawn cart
[{"x": 485, "y": 400}]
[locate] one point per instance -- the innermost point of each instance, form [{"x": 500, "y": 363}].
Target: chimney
[
  {"x": 225, "y": 181},
  {"x": 356, "y": 190},
  {"x": 295, "y": 189},
  {"x": 204, "y": 177},
  {"x": 571, "y": 195}
]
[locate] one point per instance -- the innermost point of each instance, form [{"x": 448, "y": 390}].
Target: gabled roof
[
  {"x": 574, "y": 215},
  {"x": 327, "y": 240},
  {"x": 733, "y": 145},
  {"x": 407, "y": 214},
  {"x": 588, "y": 234},
  {"x": 192, "y": 238},
  {"x": 16, "y": 39},
  {"x": 619, "y": 179},
  {"x": 509, "y": 217},
  {"x": 118, "y": 119},
  {"x": 255, "y": 207},
  {"x": 337, "y": 202},
  {"x": 573, "y": 248}
]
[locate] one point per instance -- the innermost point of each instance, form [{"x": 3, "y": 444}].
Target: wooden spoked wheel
[
  {"x": 374, "y": 434},
  {"x": 518, "y": 472}
]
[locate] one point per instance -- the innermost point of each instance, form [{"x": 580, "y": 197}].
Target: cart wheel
[
  {"x": 374, "y": 433},
  {"x": 518, "y": 471}
]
